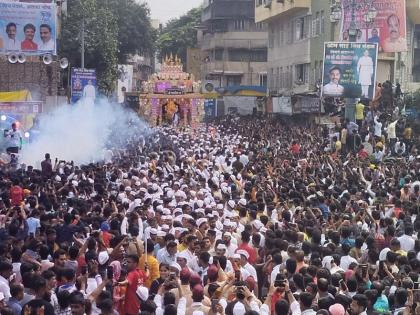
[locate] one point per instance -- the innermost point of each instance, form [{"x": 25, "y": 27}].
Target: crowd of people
[{"x": 250, "y": 215}]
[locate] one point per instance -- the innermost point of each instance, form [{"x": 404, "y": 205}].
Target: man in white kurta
[{"x": 365, "y": 71}]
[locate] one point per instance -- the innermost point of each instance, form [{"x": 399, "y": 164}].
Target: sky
[{"x": 164, "y": 10}]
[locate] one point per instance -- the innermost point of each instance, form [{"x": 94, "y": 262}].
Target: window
[
  {"x": 233, "y": 80},
  {"x": 263, "y": 80},
  {"x": 258, "y": 55},
  {"x": 239, "y": 25},
  {"x": 322, "y": 22},
  {"x": 238, "y": 55},
  {"x": 281, "y": 84},
  {"x": 271, "y": 78},
  {"x": 281, "y": 33},
  {"x": 277, "y": 77},
  {"x": 301, "y": 73},
  {"x": 300, "y": 28},
  {"x": 318, "y": 24},
  {"x": 289, "y": 32},
  {"x": 271, "y": 37},
  {"x": 315, "y": 25},
  {"x": 218, "y": 54}
]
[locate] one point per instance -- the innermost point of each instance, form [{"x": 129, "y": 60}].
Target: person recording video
[{"x": 14, "y": 138}]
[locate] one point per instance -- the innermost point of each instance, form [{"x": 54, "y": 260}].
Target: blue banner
[
  {"x": 210, "y": 108},
  {"x": 83, "y": 84},
  {"x": 28, "y": 28}
]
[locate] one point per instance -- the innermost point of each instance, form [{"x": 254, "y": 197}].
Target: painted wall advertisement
[
  {"x": 349, "y": 70},
  {"x": 28, "y": 28},
  {"x": 388, "y": 28},
  {"x": 83, "y": 84},
  {"x": 306, "y": 105}
]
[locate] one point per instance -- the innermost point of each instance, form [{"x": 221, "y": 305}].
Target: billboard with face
[
  {"x": 349, "y": 70},
  {"x": 28, "y": 28}
]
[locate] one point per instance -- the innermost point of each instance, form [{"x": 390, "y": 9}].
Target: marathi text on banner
[
  {"x": 28, "y": 28},
  {"x": 350, "y": 70}
]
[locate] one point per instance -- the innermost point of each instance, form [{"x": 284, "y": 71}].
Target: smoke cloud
[{"x": 82, "y": 132}]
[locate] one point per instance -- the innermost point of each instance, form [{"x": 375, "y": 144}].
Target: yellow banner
[{"x": 15, "y": 96}]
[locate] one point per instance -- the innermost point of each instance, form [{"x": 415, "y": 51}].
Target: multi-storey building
[
  {"x": 297, "y": 30},
  {"x": 234, "y": 47}
]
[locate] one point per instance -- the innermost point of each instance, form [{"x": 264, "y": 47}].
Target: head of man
[
  {"x": 358, "y": 304},
  {"x": 77, "y": 303},
  {"x": 335, "y": 75},
  {"x": 14, "y": 126},
  {"x": 29, "y": 31},
  {"x": 132, "y": 262},
  {"x": 366, "y": 53},
  {"x": 45, "y": 32},
  {"x": 11, "y": 30},
  {"x": 393, "y": 27},
  {"x": 375, "y": 32},
  {"x": 60, "y": 258}
]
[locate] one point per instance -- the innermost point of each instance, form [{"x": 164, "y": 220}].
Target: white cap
[
  {"x": 231, "y": 203},
  {"x": 143, "y": 293},
  {"x": 103, "y": 257},
  {"x": 243, "y": 252}
]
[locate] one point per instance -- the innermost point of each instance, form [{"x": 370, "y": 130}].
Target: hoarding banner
[
  {"x": 28, "y": 28},
  {"x": 83, "y": 84},
  {"x": 16, "y": 108},
  {"x": 125, "y": 81},
  {"x": 349, "y": 70},
  {"x": 210, "y": 108},
  {"x": 388, "y": 28},
  {"x": 306, "y": 105}
]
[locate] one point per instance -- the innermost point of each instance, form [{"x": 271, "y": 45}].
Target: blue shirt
[{"x": 15, "y": 306}]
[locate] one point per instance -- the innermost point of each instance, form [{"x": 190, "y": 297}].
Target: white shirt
[
  {"x": 346, "y": 261},
  {"x": 333, "y": 89},
  {"x": 48, "y": 46},
  {"x": 378, "y": 128},
  {"x": 274, "y": 273},
  {"x": 89, "y": 91},
  {"x": 5, "y": 288},
  {"x": 191, "y": 261},
  {"x": 250, "y": 270},
  {"x": 407, "y": 243},
  {"x": 164, "y": 257},
  {"x": 11, "y": 44},
  {"x": 14, "y": 138}
]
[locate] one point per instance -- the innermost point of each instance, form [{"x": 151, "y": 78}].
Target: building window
[
  {"x": 315, "y": 25},
  {"x": 218, "y": 54},
  {"x": 281, "y": 85},
  {"x": 271, "y": 78},
  {"x": 258, "y": 55},
  {"x": 263, "y": 80},
  {"x": 289, "y": 32},
  {"x": 281, "y": 31},
  {"x": 322, "y": 22},
  {"x": 238, "y": 55},
  {"x": 301, "y": 73},
  {"x": 271, "y": 37},
  {"x": 239, "y": 25},
  {"x": 300, "y": 28},
  {"x": 233, "y": 80}
]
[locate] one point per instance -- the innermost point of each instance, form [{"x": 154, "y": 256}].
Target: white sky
[{"x": 164, "y": 10}]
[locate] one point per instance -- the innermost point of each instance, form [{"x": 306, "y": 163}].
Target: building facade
[
  {"x": 233, "y": 47},
  {"x": 297, "y": 31}
]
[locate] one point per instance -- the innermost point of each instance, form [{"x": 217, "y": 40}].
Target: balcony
[
  {"x": 413, "y": 11},
  {"x": 274, "y": 8},
  {"x": 228, "y": 9}
]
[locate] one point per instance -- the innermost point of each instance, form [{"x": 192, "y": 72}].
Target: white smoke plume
[{"x": 82, "y": 132}]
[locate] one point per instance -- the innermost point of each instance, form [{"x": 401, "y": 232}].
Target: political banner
[
  {"x": 210, "y": 108},
  {"x": 388, "y": 29},
  {"x": 19, "y": 108},
  {"x": 349, "y": 70},
  {"x": 125, "y": 81},
  {"x": 83, "y": 84},
  {"x": 28, "y": 28}
]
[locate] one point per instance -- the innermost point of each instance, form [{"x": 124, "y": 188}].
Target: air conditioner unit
[{"x": 267, "y": 4}]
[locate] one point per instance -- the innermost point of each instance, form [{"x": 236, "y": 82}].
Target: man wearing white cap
[{"x": 246, "y": 267}]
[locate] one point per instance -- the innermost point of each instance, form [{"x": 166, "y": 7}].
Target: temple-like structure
[{"x": 172, "y": 96}]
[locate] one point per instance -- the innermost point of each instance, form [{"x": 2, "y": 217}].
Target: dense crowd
[{"x": 242, "y": 216}]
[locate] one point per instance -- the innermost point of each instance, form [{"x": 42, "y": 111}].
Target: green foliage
[
  {"x": 113, "y": 30},
  {"x": 179, "y": 34}
]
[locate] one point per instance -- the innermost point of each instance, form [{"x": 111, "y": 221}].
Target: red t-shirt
[
  {"x": 132, "y": 302},
  {"x": 251, "y": 252},
  {"x": 16, "y": 195},
  {"x": 295, "y": 148}
]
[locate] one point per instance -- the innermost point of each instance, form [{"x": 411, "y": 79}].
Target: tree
[
  {"x": 180, "y": 34},
  {"x": 113, "y": 30}
]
